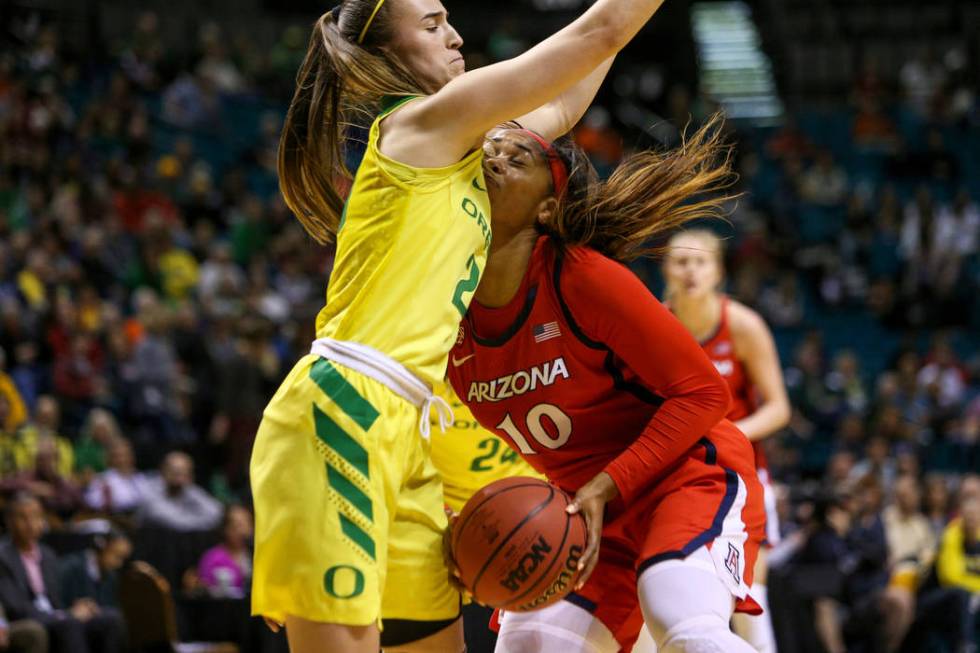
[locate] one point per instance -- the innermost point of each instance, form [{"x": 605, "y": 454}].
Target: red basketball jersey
[
  {"x": 586, "y": 371},
  {"x": 720, "y": 348}
]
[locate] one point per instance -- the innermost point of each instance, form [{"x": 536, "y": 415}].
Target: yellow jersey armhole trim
[{"x": 390, "y": 166}]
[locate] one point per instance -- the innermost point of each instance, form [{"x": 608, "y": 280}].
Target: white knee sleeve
[
  {"x": 687, "y": 607},
  {"x": 563, "y": 627},
  {"x": 757, "y": 629},
  {"x": 702, "y": 634}
]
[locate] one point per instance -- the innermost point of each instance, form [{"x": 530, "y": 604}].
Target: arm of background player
[
  {"x": 559, "y": 116},
  {"x": 757, "y": 351},
  {"x": 612, "y": 306}
]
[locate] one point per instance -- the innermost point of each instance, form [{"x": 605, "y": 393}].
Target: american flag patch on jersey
[{"x": 547, "y": 331}]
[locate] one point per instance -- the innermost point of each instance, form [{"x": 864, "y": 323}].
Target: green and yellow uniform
[
  {"x": 958, "y": 564},
  {"x": 349, "y": 507},
  {"x": 18, "y": 451},
  {"x": 469, "y": 457}
]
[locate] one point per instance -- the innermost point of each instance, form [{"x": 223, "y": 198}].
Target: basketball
[{"x": 516, "y": 547}]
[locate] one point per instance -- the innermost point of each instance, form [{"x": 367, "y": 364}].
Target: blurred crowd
[
  {"x": 859, "y": 241},
  {"x": 154, "y": 289},
  {"x": 151, "y": 296}
]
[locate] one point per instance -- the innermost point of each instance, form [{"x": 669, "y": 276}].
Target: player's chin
[
  {"x": 493, "y": 191},
  {"x": 694, "y": 291}
]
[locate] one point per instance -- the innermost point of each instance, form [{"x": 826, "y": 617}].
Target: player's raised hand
[{"x": 591, "y": 500}]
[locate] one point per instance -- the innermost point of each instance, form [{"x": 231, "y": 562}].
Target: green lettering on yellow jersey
[{"x": 409, "y": 257}]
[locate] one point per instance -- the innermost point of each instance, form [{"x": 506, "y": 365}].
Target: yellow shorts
[{"x": 348, "y": 505}]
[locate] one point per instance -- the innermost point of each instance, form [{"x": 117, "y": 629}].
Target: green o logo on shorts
[{"x": 343, "y": 581}]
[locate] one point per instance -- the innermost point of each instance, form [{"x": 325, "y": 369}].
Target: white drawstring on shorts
[
  {"x": 445, "y": 413},
  {"x": 390, "y": 373}
]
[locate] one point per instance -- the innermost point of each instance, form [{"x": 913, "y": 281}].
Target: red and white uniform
[
  {"x": 720, "y": 348},
  {"x": 585, "y": 371}
]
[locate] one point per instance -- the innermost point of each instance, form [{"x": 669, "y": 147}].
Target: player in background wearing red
[
  {"x": 741, "y": 346},
  {"x": 566, "y": 355}
]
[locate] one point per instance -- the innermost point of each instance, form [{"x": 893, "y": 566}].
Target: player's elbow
[
  {"x": 716, "y": 398},
  {"x": 610, "y": 40},
  {"x": 602, "y": 37},
  {"x": 781, "y": 413}
]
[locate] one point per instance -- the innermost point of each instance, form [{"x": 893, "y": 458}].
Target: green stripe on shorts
[
  {"x": 355, "y": 533},
  {"x": 349, "y": 491},
  {"x": 342, "y": 444},
  {"x": 343, "y": 393}
]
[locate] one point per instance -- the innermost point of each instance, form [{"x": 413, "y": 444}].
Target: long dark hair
[
  {"x": 648, "y": 195},
  {"x": 339, "y": 82}
]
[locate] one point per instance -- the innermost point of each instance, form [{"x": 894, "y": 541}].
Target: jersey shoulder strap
[{"x": 391, "y": 102}]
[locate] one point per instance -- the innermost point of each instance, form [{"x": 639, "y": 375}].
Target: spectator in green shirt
[{"x": 100, "y": 430}]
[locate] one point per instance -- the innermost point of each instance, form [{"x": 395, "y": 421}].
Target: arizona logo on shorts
[{"x": 731, "y": 563}]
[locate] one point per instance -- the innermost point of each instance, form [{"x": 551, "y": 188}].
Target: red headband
[{"x": 559, "y": 173}]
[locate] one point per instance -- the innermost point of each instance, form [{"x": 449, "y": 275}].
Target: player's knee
[
  {"x": 558, "y": 639},
  {"x": 700, "y": 634},
  {"x": 537, "y": 637},
  {"x": 563, "y": 627}
]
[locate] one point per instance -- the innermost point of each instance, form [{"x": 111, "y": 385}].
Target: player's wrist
[
  {"x": 622, "y": 488},
  {"x": 605, "y": 487}
]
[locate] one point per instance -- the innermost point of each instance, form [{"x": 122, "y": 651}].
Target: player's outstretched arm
[
  {"x": 559, "y": 116},
  {"x": 441, "y": 128}
]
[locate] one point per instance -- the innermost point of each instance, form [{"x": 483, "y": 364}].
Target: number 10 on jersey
[{"x": 535, "y": 426}]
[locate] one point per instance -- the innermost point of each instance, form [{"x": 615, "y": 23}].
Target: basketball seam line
[
  {"x": 556, "y": 558},
  {"x": 462, "y": 525},
  {"x": 534, "y": 511}
]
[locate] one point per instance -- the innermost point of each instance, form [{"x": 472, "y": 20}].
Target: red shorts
[{"x": 712, "y": 498}]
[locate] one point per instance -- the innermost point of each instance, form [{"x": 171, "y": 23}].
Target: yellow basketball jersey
[
  {"x": 411, "y": 248},
  {"x": 468, "y": 456}
]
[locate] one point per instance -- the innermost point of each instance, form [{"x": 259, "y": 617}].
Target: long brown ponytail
[
  {"x": 648, "y": 195},
  {"x": 339, "y": 83}
]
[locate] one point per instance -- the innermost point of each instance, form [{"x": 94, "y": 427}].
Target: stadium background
[{"x": 155, "y": 289}]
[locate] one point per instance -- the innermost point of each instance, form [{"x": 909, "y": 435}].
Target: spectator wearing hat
[{"x": 93, "y": 573}]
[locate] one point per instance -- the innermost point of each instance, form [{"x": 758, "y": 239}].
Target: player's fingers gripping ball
[{"x": 515, "y": 546}]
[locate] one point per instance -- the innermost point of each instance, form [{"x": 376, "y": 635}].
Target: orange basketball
[{"x": 516, "y": 547}]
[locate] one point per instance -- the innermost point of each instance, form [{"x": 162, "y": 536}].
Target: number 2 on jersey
[
  {"x": 533, "y": 421},
  {"x": 467, "y": 284}
]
